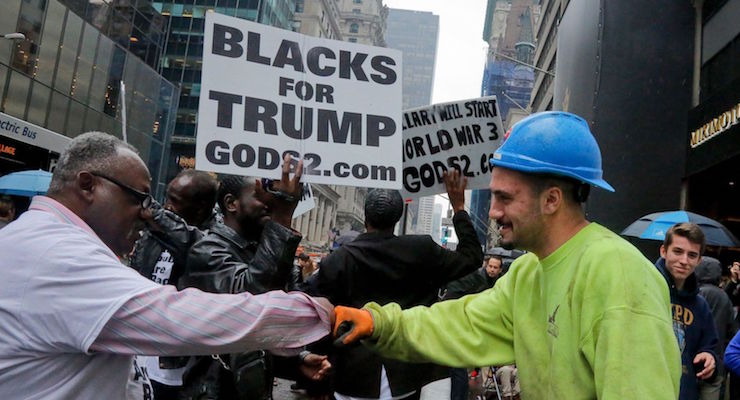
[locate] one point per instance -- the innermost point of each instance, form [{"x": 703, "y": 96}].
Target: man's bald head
[{"x": 192, "y": 195}]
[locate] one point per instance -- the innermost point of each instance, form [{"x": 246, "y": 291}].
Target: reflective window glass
[
  {"x": 141, "y": 141},
  {"x": 92, "y": 121},
  {"x": 138, "y": 44},
  {"x": 164, "y": 110},
  {"x": 75, "y": 119},
  {"x": 77, "y": 6},
  {"x": 111, "y": 126},
  {"x": 68, "y": 55},
  {"x": 50, "y": 42},
  {"x": 29, "y": 24},
  {"x": 3, "y": 77},
  {"x": 15, "y": 100},
  {"x": 100, "y": 74},
  {"x": 115, "y": 74},
  {"x": 97, "y": 14},
  {"x": 9, "y": 20},
  {"x": 155, "y": 159},
  {"x": 39, "y": 101},
  {"x": 120, "y": 29},
  {"x": 141, "y": 22},
  {"x": 85, "y": 61},
  {"x": 57, "y": 112}
]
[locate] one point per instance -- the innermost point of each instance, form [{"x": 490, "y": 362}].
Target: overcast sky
[{"x": 461, "y": 51}]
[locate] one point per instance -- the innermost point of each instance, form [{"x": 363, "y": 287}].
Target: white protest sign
[
  {"x": 266, "y": 92},
  {"x": 461, "y": 134},
  {"x": 307, "y": 202}
]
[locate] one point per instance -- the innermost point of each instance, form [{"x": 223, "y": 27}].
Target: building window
[
  {"x": 354, "y": 28},
  {"x": 357, "y": 1},
  {"x": 352, "y": 40},
  {"x": 356, "y": 10},
  {"x": 299, "y": 6}
]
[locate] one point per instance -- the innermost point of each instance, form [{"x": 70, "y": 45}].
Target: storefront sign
[
  {"x": 5, "y": 149},
  {"x": 35, "y": 135},
  {"x": 267, "y": 92},
  {"x": 185, "y": 162},
  {"x": 461, "y": 135},
  {"x": 713, "y": 133},
  {"x": 717, "y": 125}
]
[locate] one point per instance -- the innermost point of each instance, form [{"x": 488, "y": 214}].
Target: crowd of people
[{"x": 108, "y": 294}]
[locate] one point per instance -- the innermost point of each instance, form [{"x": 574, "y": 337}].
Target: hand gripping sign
[
  {"x": 266, "y": 92},
  {"x": 462, "y": 135}
]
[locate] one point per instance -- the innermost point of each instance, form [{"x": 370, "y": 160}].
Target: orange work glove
[{"x": 351, "y": 325}]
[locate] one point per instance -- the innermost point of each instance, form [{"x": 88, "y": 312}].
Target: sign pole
[{"x": 123, "y": 111}]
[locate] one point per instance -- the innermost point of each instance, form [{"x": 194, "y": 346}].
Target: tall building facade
[
  {"x": 318, "y": 18},
  {"x": 363, "y": 21},
  {"x": 183, "y": 57},
  {"x": 360, "y": 21},
  {"x": 712, "y": 182},
  {"x": 415, "y": 34},
  {"x": 509, "y": 32},
  {"x": 64, "y": 79},
  {"x": 545, "y": 33}
]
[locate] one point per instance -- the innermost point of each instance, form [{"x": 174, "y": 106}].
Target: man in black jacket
[
  {"x": 379, "y": 266},
  {"x": 161, "y": 252},
  {"x": 188, "y": 210},
  {"x": 252, "y": 251}
]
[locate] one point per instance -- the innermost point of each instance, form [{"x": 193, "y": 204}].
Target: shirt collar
[{"x": 64, "y": 214}]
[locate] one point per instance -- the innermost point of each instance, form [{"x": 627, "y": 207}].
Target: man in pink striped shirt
[{"x": 71, "y": 316}]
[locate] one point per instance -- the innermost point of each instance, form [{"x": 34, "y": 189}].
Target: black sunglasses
[{"x": 145, "y": 199}]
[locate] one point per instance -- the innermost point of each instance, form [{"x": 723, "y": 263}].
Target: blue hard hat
[{"x": 553, "y": 142}]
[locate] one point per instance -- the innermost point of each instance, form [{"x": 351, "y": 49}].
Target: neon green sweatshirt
[{"x": 592, "y": 320}]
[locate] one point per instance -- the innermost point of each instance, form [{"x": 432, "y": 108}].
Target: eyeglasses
[{"x": 145, "y": 199}]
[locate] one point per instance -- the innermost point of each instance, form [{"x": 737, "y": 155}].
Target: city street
[{"x": 439, "y": 390}]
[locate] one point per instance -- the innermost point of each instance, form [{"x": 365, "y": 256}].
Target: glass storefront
[
  {"x": 183, "y": 55},
  {"x": 65, "y": 76}
]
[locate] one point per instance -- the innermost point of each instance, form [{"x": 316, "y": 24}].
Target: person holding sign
[
  {"x": 72, "y": 316},
  {"x": 252, "y": 251},
  {"x": 584, "y": 314},
  {"x": 380, "y": 266}
]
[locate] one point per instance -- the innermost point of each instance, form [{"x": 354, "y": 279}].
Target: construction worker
[{"x": 584, "y": 314}]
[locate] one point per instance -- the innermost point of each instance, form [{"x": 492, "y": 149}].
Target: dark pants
[
  {"x": 459, "y": 384},
  {"x": 734, "y": 387}
]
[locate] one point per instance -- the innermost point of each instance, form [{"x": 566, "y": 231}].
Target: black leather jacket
[
  {"x": 224, "y": 262},
  {"x": 176, "y": 236}
]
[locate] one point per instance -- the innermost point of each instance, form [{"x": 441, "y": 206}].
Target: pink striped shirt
[{"x": 164, "y": 321}]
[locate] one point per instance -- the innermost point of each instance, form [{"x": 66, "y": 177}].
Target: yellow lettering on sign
[{"x": 715, "y": 126}]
